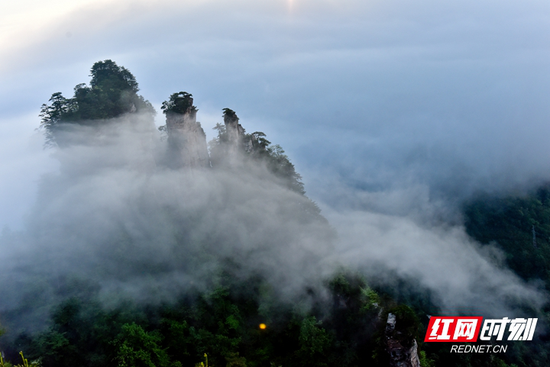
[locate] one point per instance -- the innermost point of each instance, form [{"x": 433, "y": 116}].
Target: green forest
[{"x": 229, "y": 312}]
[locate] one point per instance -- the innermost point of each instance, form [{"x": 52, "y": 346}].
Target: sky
[
  {"x": 396, "y": 108},
  {"x": 367, "y": 94}
]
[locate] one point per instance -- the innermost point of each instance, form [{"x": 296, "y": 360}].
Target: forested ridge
[
  {"x": 517, "y": 224},
  {"x": 182, "y": 265}
]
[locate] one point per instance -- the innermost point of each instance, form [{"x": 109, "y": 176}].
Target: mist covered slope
[
  {"x": 519, "y": 225},
  {"x": 131, "y": 211},
  {"x": 151, "y": 247}
]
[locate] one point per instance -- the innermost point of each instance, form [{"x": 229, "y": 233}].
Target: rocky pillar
[{"x": 186, "y": 139}]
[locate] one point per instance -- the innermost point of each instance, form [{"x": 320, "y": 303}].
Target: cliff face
[
  {"x": 186, "y": 139},
  {"x": 234, "y": 130},
  {"x": 187, "y": 145},
  {"x": 236, "y": 133},
  {"x": 230, "y": 147},
  {"x": 400, "y": 355}
]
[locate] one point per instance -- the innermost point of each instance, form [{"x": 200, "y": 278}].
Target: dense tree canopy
[
  {"x": 519, "y": 225},
  {"x": 178, "y": 103},
  {"x": 112, "y": 93}
]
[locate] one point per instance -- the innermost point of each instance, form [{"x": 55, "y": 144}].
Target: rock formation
[
  {"x": 186, "y": 138},
  {"x": 400, "y": 355},
  {"x": 236, "y": 137},
  {"x": 234, "y": 130}
]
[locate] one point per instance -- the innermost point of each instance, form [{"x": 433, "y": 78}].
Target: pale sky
[{"x": 374, "y": 95}]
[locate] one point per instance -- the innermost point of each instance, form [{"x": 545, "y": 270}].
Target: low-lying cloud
[
  {"x": 460, "y": 275},
  {"x": 114, "y": 218}
]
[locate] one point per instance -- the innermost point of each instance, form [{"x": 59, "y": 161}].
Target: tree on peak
[
  {"x": 112, "y": 92},
  {"x": 229, "y": 113},
  {"x": 178, "y": 103},
  {"x": 108, "y": 74}
]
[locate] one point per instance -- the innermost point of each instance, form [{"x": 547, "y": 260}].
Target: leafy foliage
[
  {"x": 178, "y": 103},
  {"x": 223, "y": 322},
  {"x": 25, "y": 362},
  {"x": 519, "y": 225},
  {"x": 138, "y": 348},
  {"x": 112, "y": 93}
]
